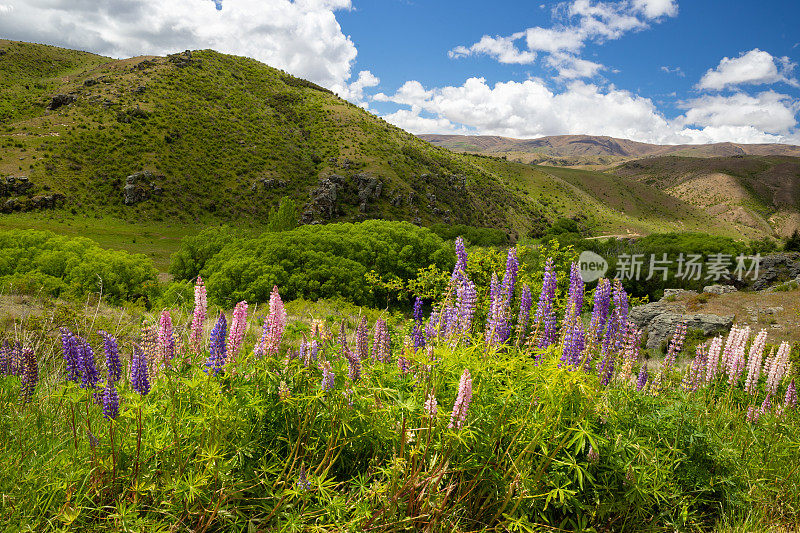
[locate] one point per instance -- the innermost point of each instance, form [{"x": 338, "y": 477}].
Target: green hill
[{"x": 200, "y": 137}]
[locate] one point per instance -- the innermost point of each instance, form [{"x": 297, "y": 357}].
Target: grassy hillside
[
  {"x": 200, "y": 138},
  {"x": 758, "y": 193}
]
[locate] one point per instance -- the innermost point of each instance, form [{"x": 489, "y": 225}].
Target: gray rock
[
  {"x": 369, "y": 189},
  {"x": 47, "y": 201},
  {"x": 660, "y": 321},
  {"x": 719, "y": 289},
  {"x": 322, "y": 205},
  {"x": 15, "y": 186},
  {"x": 60, "y": 100},
  {"x": 141, "y": 186},
  {"x": 676, "y": 292},
  {"x": 775, "y": 267}
]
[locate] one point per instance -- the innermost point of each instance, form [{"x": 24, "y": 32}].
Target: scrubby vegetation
[{"x": 447, "y": 423}]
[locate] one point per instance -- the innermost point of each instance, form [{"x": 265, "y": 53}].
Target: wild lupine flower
[
  {"x": 525, "y": 303},
  {"x": 461, "y": 258},
  {"x": 766, "y": 405},
  {"x": 459, "y": 414},
  {"x": 139, "y": 380},
  {"x": 166, "y": 339},
  {"x": 641, "y": 380},
  {"x": 494, "y": 319},
  {"x": 149, "y": 345},
  {"x": 353, "y": 365},
  {"x": 752, "y": 414},
  {"x": 754, "y": 361},
  {"x": 431, "y": 406},
  {"x": 574, "y": 342},
  {"x": 592, "y": 456},
  {"x": 466, "y": 299},
  {"x": 302, "y": 481},
  {"x": 381, "y": 340},
  {"x": 4, "y": 360},
  {"x": 510, "y": 277},
  {"x": 545, "y": 317},
  {"x": 606, "y": 368},
  {"x": 575, "y": 299},
  {"x": 362, "y": 333},
  {"x": 712, "y": 365},
  {"x": 402, "y": 362},
  {"x": 602, "y": 303},
  {"x": 675, "y": 345},
  {"x": 273, "y": 326},
  {"x": 694, "y": 372},
  {"x": 620, "y": 302},
  {"x": 327, "y": 376},
  {"x": 630, "y": 352},
  {"x": 199, "y": 317},
  {"x": 432, "y": 328},
  {"x": 216, "y": 356},
  {"x": 111, "y": 349},
  {"x": 736, "y": 360},
  {"x": 15, "y": 366},
  {"x": 90, "y": 377},
  {"x": 790, "y": 400},
  {"x": 71, "y": 355},
  {"x": 283, "y": 391},
  {"x": 30, "y": 375},
  {"x": 110, "y": 401},
  {"x": 449, "y": 322},
  {"x": 419, "y": 337},
  {"x": 778, "y": 368},
  {"x": 236, "y": 335},
  {"x": 730, "y": 344}
]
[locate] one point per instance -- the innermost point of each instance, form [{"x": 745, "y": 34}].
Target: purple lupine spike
[
  {"x": 790, "y": 400},
  {"x": 353, "y": 365},
  {"x": 90, "y": 377},
  {"x": 463, "y": 399},
  {"x": 432, "y": 328},
  {"x": 510, "y": 277},
  {"x": 641, "y": 380},
  {"x": 111, "y": 349},
  {"x": 5, "y": 359},
  {"x": 237, "y": 331},
  {"x": 139, "y": 380},
  {"x": 216, "y": 357},
  {"x": 110, "y": 401},
  {"x": 71, "y": 355},
  {"x": 675, "y": 345},
  {"x": 381, "y": 342},
  {"x": 461, "y": 258},
  {"x": 494, "y": 319},
  {"x": 736, "y": 361},
  {"x": 525, "y": 303},
  {"x": 752, "y": 414},
  {"x": 620, "y": 302},
  {"x": 15, "y": 359},
  {"x": 419, "y": 336},
  {"x": 694, "y": 372},
  {"x": 575, "y": 298},
  {"x": 766, "y": 405},
  {"x": 30, "y": 375},
  {"x": 166, "y": 338},
  {"x": 545, "y": 317},
  {"x": 327, "y": 377},
  {"x": 602, "y": 303},
  {"x": 466, "y": 300},
  {"x": 606, "y": 368}
]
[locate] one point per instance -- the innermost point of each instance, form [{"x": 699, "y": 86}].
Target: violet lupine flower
[
  {"x": 641, "y": 380},
  {"x": 620, "y": 302},
  {"x": 449, "y": 322},
  {"x": 790, "y": 400},
  {"x": 752, "y": 414},
  {"x": 149, "y": 344},
  {"x": 502, "y": 319},
  {"x": 602, "y": 303},
  {"x": 110, "y": 401},
  {"x": 236, "y": 334},
  {"x": 15, "y": 366},
  {"x": 525, "y": 303},
  {"x": 432, "y": 327},
  {"x": 5, "y": 360},
  {"x": 419, "y": 336},
  {"x": 466, "y": 300},
  {"x": 139, "y": 381},
  {"x": 778, "y": 368},
  {"x": 166, "y": 339},
  {"x": 71, "y": 355},
  {"x": 431, "y": 406},
  {"x": 30, "y": 375},
  {"x": 675, "y": 345},
  {"x": 381, "y": 340},
  {"x": 766, "y": 405},
  {"x": 545, "y": 317},
  {"x": 362, "y": 334},
  {"x": 111, "y": 349},
  {"x": 575, "y": 299},
  {"x": 327, "y": 376},
  {"x": 90, "y": 377},
  {"x": 459, "y": 414},
  {"x": 216, "y": 356},
  {"x": 302, "y": 481},
  {"x": 754, "y": 361},
  {"x": 606, "y": 368},
  {"x": 730, "y": 344},
  {"x": 199, "y": 316},
  {"x": 273, "y": 326},
  {"x": 574, "y": 343},
  {"x": 494, "y": 319},
  {"x": 712, "y": 365},
  {"x": 353, "y": 365},
  {"x": 694, "y": 373},
  {"x": 461, "y": 258}
]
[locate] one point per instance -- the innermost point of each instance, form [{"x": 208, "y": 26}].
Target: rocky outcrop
[
  {"x": 60, "y": 100},
  {"x": 141, "y": 186},
  {"x": 775, "y": 268},
  {"x": 369, "y": 189},
  {"x": 334, "y": 191},
  {"x": 183, "y": 59},
  {"x": 15, "y": 186},
  {"x": 268, "y": 184},
  {"x": 719, "y": 289},
  {"x": 659, "y": 321}
]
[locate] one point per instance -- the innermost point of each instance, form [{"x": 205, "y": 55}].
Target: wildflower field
[{"x": 502, "y": 411}]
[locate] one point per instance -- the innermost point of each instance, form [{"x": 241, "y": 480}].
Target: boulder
[
  {"x": 777, "y": 267},
  {"x": 676, "y": 292},
  {"x": 719, "y": 289},
  {"x": 369, "y": 189},
  {"x": 322, "y": 204},
  {"x": 47, "y": 201},
  {"x": 60, "y": 100},
  {"x": 659, "y": 320},
  {"x": 141, "y": 186}
]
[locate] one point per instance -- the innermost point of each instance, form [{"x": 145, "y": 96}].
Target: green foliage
[
  {"x": 473, "y": 236},
  {"x": 285, "y": 218},
  {"x": 318, "y": 261},
  {"x": 34, "y": 261},
  {"x": 792, "y": 243}
]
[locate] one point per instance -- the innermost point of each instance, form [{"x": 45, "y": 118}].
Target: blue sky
[{"x": 667, "y": 71}]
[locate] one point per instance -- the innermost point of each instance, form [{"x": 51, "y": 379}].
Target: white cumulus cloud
[
  {"x": 301, "y": 36},
  {"x": 755, "y": 67}
]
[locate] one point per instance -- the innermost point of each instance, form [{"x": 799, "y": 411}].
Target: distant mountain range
[{"x": 591, "y": 149}]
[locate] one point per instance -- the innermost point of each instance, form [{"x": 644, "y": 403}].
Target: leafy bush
[
  {"x": 35, "y": 261},
  {"x": 325, "y": 261},
  {"x": 474, "y": 236}
]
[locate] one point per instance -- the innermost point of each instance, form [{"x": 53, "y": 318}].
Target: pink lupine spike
[
  {"x": 166, "y": 339},
  {"x": 459, "y": 414},
  {"x": 754, "y": 361},
  {"x": 199, "y": 317},
  {"x": 273, "y": 326},
  {"x": 237, "y": 331}
]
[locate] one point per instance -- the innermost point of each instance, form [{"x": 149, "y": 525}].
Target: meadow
[{"x": 495, "y": 405}]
